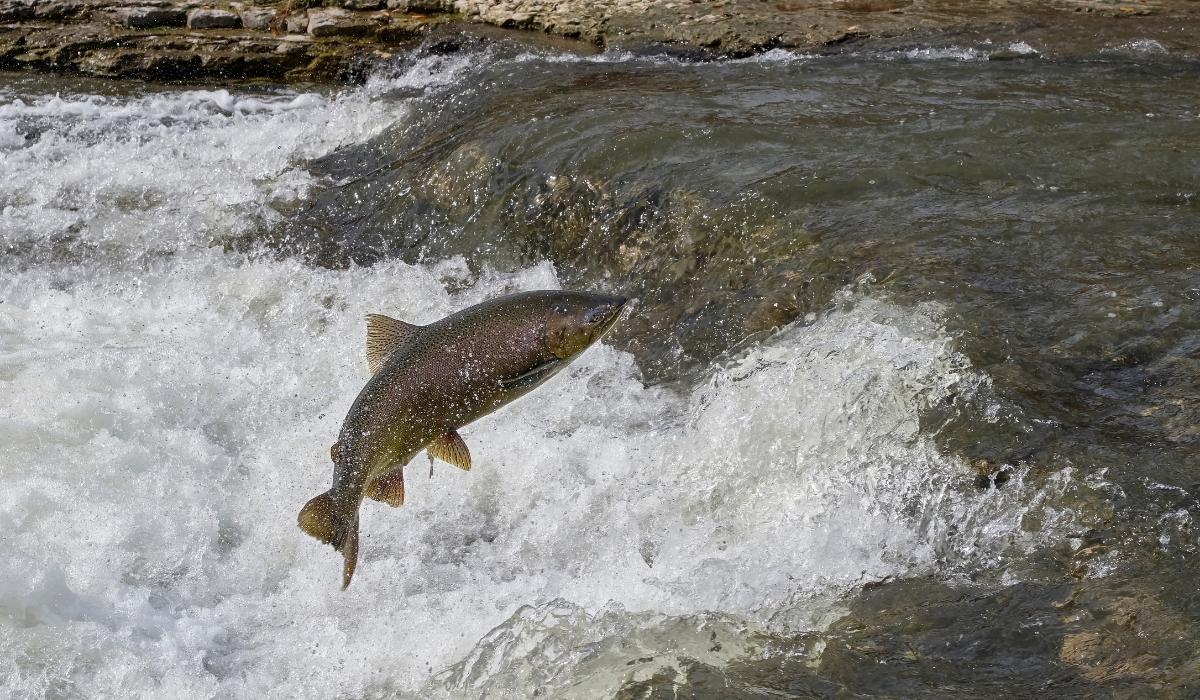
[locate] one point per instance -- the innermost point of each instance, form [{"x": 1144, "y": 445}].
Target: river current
[{"x": 906, "y": 404}]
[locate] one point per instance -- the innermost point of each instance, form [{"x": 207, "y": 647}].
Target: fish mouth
[{"x": 608, "y": 313}]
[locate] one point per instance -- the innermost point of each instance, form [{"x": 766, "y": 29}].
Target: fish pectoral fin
[
  {"x": 385, "y": 334},
  {"x": 533, "y": 376},
  {"x": 451, "y": 449},
  {"x": 388, "y": 488}
]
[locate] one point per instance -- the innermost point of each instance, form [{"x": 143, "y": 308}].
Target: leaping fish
[{"x": 429, "y": 381}]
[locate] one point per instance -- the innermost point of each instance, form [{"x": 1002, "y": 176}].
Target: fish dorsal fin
[
  {"x": 451, "y": 449},
  {"x": 385, "y": 334}
]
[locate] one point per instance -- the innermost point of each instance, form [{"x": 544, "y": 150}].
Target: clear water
[{"x": 856, "y": 277}]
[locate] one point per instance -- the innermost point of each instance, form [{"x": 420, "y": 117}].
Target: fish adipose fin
[
  {"x": 533, "y": 376},
  {"x": 451, "y": 449},
  {"x": 388, "y": 488},
  {"x": 385, "y": 334},
  {"x": 318, "y": 518}
]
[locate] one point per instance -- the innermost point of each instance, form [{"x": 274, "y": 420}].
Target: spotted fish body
[{"x": 429, "y": 381}]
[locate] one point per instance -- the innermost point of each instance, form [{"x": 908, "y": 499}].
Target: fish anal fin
[
  {"x": 451, "y": 449},
  {"x": 385, "y": 334},
  {"x": 388, "y": 488}
]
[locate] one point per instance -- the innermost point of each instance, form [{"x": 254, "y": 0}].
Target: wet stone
[
  {"x": 258, "y": 18},
  {"x": 293, "y": 44},
  {"x": 336, "y": 22},
  {"x": 296, "y": 24},
  {"x": 872, "y": 5},
  {"x": 17, "y": 10},
  {"x": 213, "y": 19},
  {"x": 363, "y": 4},
  {"x": 57, "y": 9},
  {"x": 398, "y": 31},
  {"x": 26, "y": 10},
  {"x": 147, "y": 17},
  {"x": 421, "y": 6}
]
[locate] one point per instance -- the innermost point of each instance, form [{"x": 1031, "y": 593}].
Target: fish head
[{"x": 578, "y": 319}]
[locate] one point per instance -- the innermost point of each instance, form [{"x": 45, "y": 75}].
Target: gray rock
[
  {"x": 293, "y": 44},
  {"x": 213, "y": 19},
  {"x": 422, "y": 6},
  {"x": 147, "y": 17},
  {"x": 57, "y": 9},
  {"x": 258, "y": 18},
  {"x": 337, "y": 22},
  {"x": 296, "y": 24},
  {"x": 17, "y": 10},
  {"x": 362, "y": 4},
  {"x": 26, "y": 10}
]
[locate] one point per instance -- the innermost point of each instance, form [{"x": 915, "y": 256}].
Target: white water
[{"x": 164, "y": 417}]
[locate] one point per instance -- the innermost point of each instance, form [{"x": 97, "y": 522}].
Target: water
[{"x": 905, "y": 406}]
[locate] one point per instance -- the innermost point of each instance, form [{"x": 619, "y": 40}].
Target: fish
[{"x": 429, "y": 381}]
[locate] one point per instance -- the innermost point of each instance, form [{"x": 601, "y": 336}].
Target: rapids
[{"x": 767, "y": 481}]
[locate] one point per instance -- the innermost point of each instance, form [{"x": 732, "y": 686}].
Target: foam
[
  {"x": 939, "y": 53},
  {"x": 163, "y": 431},
  {"x": 165, "y": 416},
  {"x": 1138, "y": 48},
  {"x": 164, "y": 170}
]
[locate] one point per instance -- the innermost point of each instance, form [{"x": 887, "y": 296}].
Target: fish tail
[
  {"x": 350, "y": 553},
  {"x": 319, "y": 518}
]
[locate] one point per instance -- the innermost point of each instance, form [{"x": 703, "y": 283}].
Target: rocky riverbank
[{"x": 293, "y": 41}]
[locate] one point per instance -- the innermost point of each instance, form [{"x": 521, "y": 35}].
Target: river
[{"x": 905, "y": 405}]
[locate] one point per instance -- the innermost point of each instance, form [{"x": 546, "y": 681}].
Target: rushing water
[{"x": 907, "y": 404}]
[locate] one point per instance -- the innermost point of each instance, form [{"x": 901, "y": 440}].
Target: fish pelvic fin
[
  {"x": 350, "y": 553},
  {"x": 388, "y": 488},
  {"x": 451, "y": 449}
]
